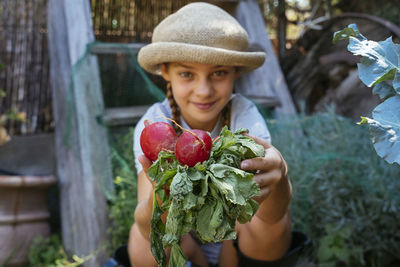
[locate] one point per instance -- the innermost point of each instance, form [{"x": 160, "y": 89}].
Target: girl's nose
[{"x": 204, "y": 87}]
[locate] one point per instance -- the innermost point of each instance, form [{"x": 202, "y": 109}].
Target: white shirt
[{"x": 244, "y": 114}]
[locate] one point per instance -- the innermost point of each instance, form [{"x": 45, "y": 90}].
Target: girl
[{"x": 200, "y": 51}]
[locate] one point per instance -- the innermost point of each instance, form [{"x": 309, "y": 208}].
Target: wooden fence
[
  {"x": 24, "y": 76},
  {"x": 126, "y": 21}
]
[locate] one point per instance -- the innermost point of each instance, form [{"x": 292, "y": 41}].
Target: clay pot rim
[{"x": 27, "y": 181}]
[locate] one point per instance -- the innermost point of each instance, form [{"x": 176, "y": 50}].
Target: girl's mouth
[{"x": 203, "y": 106}]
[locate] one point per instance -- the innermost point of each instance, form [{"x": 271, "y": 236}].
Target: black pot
[{"x": 120, "y": 258}]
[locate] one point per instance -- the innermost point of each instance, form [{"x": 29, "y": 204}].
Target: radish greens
[{"x": 207, "y": 198}]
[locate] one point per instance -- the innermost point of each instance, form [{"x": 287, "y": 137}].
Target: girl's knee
[{"x": 193, "y": 251}]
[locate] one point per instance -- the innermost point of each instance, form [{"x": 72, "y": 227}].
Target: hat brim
[{"x": 153, "y": 55}]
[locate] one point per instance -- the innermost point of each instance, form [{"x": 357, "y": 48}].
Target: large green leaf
[
  {"x": 379, "y": 67},
  {"x": 380, "y": 60},
  {"x": 384, "y": 90},
  {"x": 396, "y": 82},
  {"x": 349, "y": 31},
  {"x": 385, "y": 129}
]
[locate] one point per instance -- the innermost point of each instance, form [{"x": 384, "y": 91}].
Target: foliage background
[
  {"x": 345, "y": 196},
  {"x": 299, "y": 11}
]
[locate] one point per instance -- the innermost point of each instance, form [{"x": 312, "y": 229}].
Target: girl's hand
[
  {"x": 270, "y": 168},
  {"x": 146, "y": 163}
]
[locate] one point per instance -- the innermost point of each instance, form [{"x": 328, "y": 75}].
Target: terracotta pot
[{"x": 23, "y": 215}]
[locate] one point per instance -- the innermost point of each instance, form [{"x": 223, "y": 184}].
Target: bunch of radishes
[{"x": 191, "y": 147}]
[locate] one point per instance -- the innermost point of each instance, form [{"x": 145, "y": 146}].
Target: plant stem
[{"x": 186, "y": 130}]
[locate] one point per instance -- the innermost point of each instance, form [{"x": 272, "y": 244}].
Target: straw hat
[{"x": 199, "y": 33}]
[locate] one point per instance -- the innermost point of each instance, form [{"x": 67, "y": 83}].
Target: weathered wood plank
[
  {"x": 268, "y": 80},
  {"x": 265, "y": 101},
  {"x": 113, "y": 48},
  {"x": 83, "y": 166},
  {"x": 123, "y": 116}
]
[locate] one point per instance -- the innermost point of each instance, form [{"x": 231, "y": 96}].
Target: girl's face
[{"x": 200, "y": 90}]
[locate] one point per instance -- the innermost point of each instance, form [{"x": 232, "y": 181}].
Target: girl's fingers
[
  {"x": 146, "y": 163},
  {"x": 270, "y": 161},
  {"x": 267, "y": 179},
  {"x": 264, "y": 192}
]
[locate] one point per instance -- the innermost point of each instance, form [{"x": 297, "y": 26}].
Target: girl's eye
[
  {"x": 219, "y": 73},
  {"x": 186, "y": 75}
]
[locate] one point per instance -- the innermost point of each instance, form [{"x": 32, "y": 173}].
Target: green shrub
[
  {"x": 49, "y": 252},
  {"x": 122, "y": 202},
  {"x": 345, "y": 197}
]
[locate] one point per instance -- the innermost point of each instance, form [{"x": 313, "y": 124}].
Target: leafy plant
[
  {"x": 379, "y": 67},
  {"x": 11, "y": 115},
  {"x": 334, "y": 245},
  {"x": 50, "y": 252},
  {"x": 345, "y": 197},
  {"x": 123, "y": 200}
]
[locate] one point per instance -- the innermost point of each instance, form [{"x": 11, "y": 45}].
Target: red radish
[
  {"x": 193, "y": 146},
  {"x": 156, "y": 137}
]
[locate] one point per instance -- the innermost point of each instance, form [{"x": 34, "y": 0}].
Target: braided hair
[{"x": 176, "y": 114}]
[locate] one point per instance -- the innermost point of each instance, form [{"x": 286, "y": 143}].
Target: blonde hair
[{"x": 176, "y": 114}]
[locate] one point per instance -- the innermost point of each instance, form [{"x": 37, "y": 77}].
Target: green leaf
[
  {"x": 379, "y": 62},
  {"x": 385, "y": 129},
  {"x": 194, "y": 174},
  {"x": 177, "y": 258},
  {"x": 181, "y": 185},
  {"x": 325, "y": 252},
  {"x": 383, "y": 90},
  {"x": 165, "y": 161},
  {"x": 211, "y": 210},
  {"x": 225, "y": 140},
  {"x": 174, "y": 223},
  {"x": 396, "y": 82},
  {"x": 235, "y": 184},
  {"x": 248, "y": 211},
  {"x": 342, "y": 253},
  {"x": 156, "y": 234},
  {"x": 191, "y": 200},
  {"x": 164, "y": 177},
  {"x": 253, "y": 149},
  {"x": 346, "y": 33}
]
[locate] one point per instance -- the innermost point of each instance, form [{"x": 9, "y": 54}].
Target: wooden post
[
  {"x": 268, "y": 80},
  {"x": 82, "y": 153},
  {"x": 282, "y": 30}
]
